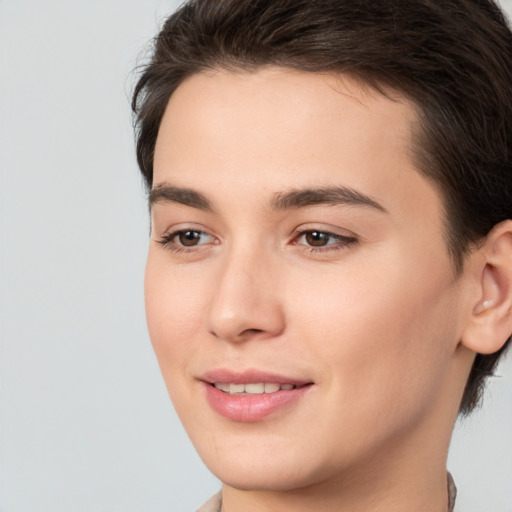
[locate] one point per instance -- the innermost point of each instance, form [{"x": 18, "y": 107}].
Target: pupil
[
  {"x": 316, "y": 238},
  {"x": 189, "y": 238}
]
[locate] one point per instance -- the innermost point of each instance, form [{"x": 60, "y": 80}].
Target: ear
[{"x": 490, "y": 324}]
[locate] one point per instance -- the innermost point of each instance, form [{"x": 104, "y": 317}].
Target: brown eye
[
  {"x": 189, "y": 238},
  {"x": 317, "y": 238},
  {"x": 186, "y": 240},
  {"x": 324, "y": 240}
]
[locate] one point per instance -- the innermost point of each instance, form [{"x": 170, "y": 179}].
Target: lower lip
[{"x": 247, "y": 408}]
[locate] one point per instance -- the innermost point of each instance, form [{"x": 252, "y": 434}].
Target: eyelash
[
  {"x": 341, "y": 241},
  {"x": 167, "y": 241}
]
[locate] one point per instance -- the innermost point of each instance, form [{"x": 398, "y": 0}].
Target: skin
[{"x": 375, "y": 319}]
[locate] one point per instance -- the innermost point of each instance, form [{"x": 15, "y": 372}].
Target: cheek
[
  {"x": 173, "y": 310},
  {"x": 383, "y": 336}
]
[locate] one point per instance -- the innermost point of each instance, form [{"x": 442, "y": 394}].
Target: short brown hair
[{"x": 452, "y": 58}]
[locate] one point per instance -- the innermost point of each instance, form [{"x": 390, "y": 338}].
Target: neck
[{"x": 372, "y": 492}]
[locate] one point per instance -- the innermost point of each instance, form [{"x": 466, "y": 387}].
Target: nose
[{"x": 246, "y": 303}]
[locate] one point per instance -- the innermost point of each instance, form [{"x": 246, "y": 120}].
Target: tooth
[
  {"x": 255, "y": 389},
  {"x": 271, "y": 388},
  {"x": 236, "y": 388}
]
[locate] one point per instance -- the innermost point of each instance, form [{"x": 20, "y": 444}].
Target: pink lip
[{"x": 250, "y": 408}]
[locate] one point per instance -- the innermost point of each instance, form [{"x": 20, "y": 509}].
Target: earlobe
[{"x": 491, "y": 321}]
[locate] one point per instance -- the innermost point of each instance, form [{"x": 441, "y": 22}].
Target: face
[{"x": 300, "y": 297}]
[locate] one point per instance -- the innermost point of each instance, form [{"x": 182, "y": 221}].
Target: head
[
  {"x": 451, "y": 60},
  {"x": 330, "y": 193}
]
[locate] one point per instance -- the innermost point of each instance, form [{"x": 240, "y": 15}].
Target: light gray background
[{"x": 86, "y": 424}]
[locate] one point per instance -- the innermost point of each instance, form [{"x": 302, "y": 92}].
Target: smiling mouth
[
  {"x": 251, "y": 396},
  {"x": 257, "y": 388}
]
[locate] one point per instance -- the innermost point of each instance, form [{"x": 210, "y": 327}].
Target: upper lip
[{"x": 252, "y": 376}]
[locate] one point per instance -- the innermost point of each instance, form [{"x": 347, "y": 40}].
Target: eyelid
[
  {"x": 343, "y": 241},
  {"x": 338, "y": 241},
  {"x": 168, "y": 239}
]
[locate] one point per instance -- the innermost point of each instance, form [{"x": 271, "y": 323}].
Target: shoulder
[{"x": 213, "y": 504}]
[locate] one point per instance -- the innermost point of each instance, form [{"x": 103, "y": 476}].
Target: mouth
[{"x": 251, "y": 396}]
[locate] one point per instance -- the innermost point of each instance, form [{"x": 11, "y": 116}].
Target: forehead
[
  {"x": 288, "y": 98},
  {"x": 275, "y": 128}
]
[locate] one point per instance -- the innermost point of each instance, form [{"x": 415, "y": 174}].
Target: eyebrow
[
  {"x": 186, "y": 196},
  {"x": 290, "y": 200},
  {"x": 335, "y": 195}
]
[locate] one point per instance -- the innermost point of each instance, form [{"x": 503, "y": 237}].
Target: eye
[
  {"x": 185, "y": 239},
  {"x": 318, "y": 239},
  {"x": 323, "y": 240},
  {"x": 190, "y": 238}
]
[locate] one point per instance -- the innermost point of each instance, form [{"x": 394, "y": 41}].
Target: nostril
[
  {"x": 248, "y": 334},
  {"x": 251, "y": 332}
]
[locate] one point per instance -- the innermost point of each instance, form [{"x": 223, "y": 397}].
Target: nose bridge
[{"x": 245, "y": 302}]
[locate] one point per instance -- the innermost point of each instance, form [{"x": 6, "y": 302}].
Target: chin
[
  {"x": 271, "y": 469},
  {"x": 252, "y": 477}
]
